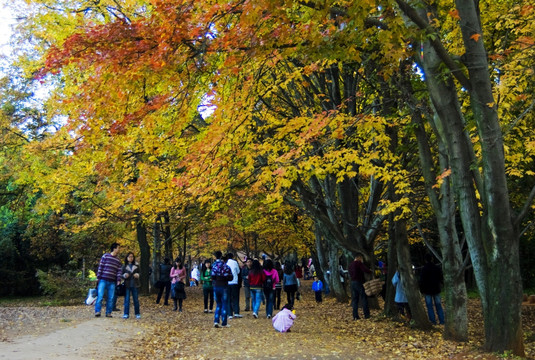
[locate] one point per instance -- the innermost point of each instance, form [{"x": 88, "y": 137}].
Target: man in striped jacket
[{"x": 108, "y": 276}]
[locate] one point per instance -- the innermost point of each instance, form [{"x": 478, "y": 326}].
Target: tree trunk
[
  {"x": 156, "y": 258},
  {"x": 502, "y": 308},
  {"x": 392, "y": 265},
  {"x": 337, "y": 288},
  {"x": 408, "y": 280},
  {"x": 144, "y": 261},
  {"x": 456, "y": 318}
]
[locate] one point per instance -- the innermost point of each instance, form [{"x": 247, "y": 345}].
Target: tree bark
[{"x": 144, "y": 261}]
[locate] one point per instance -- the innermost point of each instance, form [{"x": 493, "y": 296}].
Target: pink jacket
[
  {"x": 178, "y": 275},
  {"x": 274, "y": 276},
  {"x": 284, "y": 320}
]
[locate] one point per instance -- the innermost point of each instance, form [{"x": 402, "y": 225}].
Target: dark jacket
[
  {"x": 130, "y": 281},
  {"x": 165, "y": 270},
  {"x": 431, "y": 279},
  {"x": 357, "y": 270}
]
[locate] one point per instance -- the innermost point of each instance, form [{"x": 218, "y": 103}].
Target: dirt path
[
  {"x": 321, "y": 331},
  {"x": 64, "y": 333},
  {"x": 91, "y": 339}
]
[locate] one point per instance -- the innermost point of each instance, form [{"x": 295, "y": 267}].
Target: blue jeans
[
  {"x": 132, "y": 290},
  {"x": 269, "y": 302},
  {"x": 431, "y": 312},
  {"x": 221, "y": 300},
  {"x": 358, "y": 294},
  {"x": 109, "y": 288},
  {"x": 256, "y": 297}
]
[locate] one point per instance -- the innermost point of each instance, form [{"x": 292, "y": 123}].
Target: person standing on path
[
  {"x": 289, "y": 282},
  {"x": 317, "y": 287},
  {"x": 165, "y": 281},
  {"x": 233, "y": 287},
  {"x": 278, "y": 286},
  {"x": 109, "y": 276},
  {"x": 357, "y": 269},
  {"x": 430, "y": 285},
  {"x": 221, "y": 275},
  {"x": 246, "y": 286},
  {"x": 256, "y": 282},
  {"x": 178, "y": 276},
  {"x": 131, "y": 279},
  {"x": 207, "y": 288},
  {"x": 272, "y": 278}
]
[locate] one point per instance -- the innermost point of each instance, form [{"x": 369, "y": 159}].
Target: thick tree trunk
[
  {"x": 503, "y": 292},
  {"x": 408, "y": 279},
  {"x": 456, "y": 318},
  {"x": 392, "y": 265},
  {"x": 337, "y": 288},
  {"x": 144, "y": 261}
]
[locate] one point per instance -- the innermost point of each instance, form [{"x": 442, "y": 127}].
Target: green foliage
[{"x": 62, "y": 285}]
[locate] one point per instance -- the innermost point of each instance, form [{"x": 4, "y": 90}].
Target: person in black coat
[
  {"x": 430, "y": 285},
  {"x": 164, "y": 281}
]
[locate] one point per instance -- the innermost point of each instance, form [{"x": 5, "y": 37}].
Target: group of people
[
  {"x": 111, "y": 273},
  {"x": 262, "y": 283},
  {"x": 430, "y": 286},
  {"x": 222, "y": 280}
]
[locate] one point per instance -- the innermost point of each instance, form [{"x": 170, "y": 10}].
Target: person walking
[
  {"x": 130, "y": 275},
  {"x": 289, "y": 282},
  {"x": 221, "y": 275},
  {"x": 430, "y": 285},
  {"x": 278, "y": 286},
  {"x": 272, "y": 278},
  {"x": 178, "y": 276},
  {"x": 357, "y": 269},
  {"x": 207, "y": 288},
  {"x": 233, "y": 288},
  {"x": 256, "y": 283},
  {"x": 108, "y": 276},
  {"x": 164, "y": 281},
  {"x": 246, "y": 286}
]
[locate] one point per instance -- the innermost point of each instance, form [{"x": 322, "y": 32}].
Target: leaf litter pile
[{"x": 321, "y": 331}]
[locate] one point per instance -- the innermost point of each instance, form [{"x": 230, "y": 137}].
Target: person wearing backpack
[
  {"x": 289, "y": 282},
  {"x": 256, "y": 282},
  {"x": 221, "y": 275},
  {"x": 272, "y": 278}
]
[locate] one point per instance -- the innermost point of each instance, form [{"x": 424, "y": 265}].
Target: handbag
[
  {"x": 91, "y": 296},
  {"x": 120, "y": 289}
]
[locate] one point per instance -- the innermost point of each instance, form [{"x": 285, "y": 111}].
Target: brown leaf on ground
[{"x": 321, "y": 331}]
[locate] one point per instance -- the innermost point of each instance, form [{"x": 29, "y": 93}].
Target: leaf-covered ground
[{"x": 321, "y": 331}]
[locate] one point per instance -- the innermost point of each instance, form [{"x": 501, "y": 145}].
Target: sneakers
[
  {"x": 226, "y": 326},
  {"x": 216, "y": 325},
  {"x": 238, "y": 316},
  {"x": 210, "y": 311},
  {"x": 109, "y": 315},
  {"x": 97, "y": 314},
  {"x": 125, "y": 316},
  {"x": 255, "y": 315},
  {"x": 205, "y": 311},
  {"x": 230, "y": 317},
  {"x": 138, "y": 316},
  {"x": 268, "y": 317}
]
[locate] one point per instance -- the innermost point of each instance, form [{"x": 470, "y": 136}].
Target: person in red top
[
  {"x": 256, "y": 283},
  {"x": 357, "y": 269}
]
